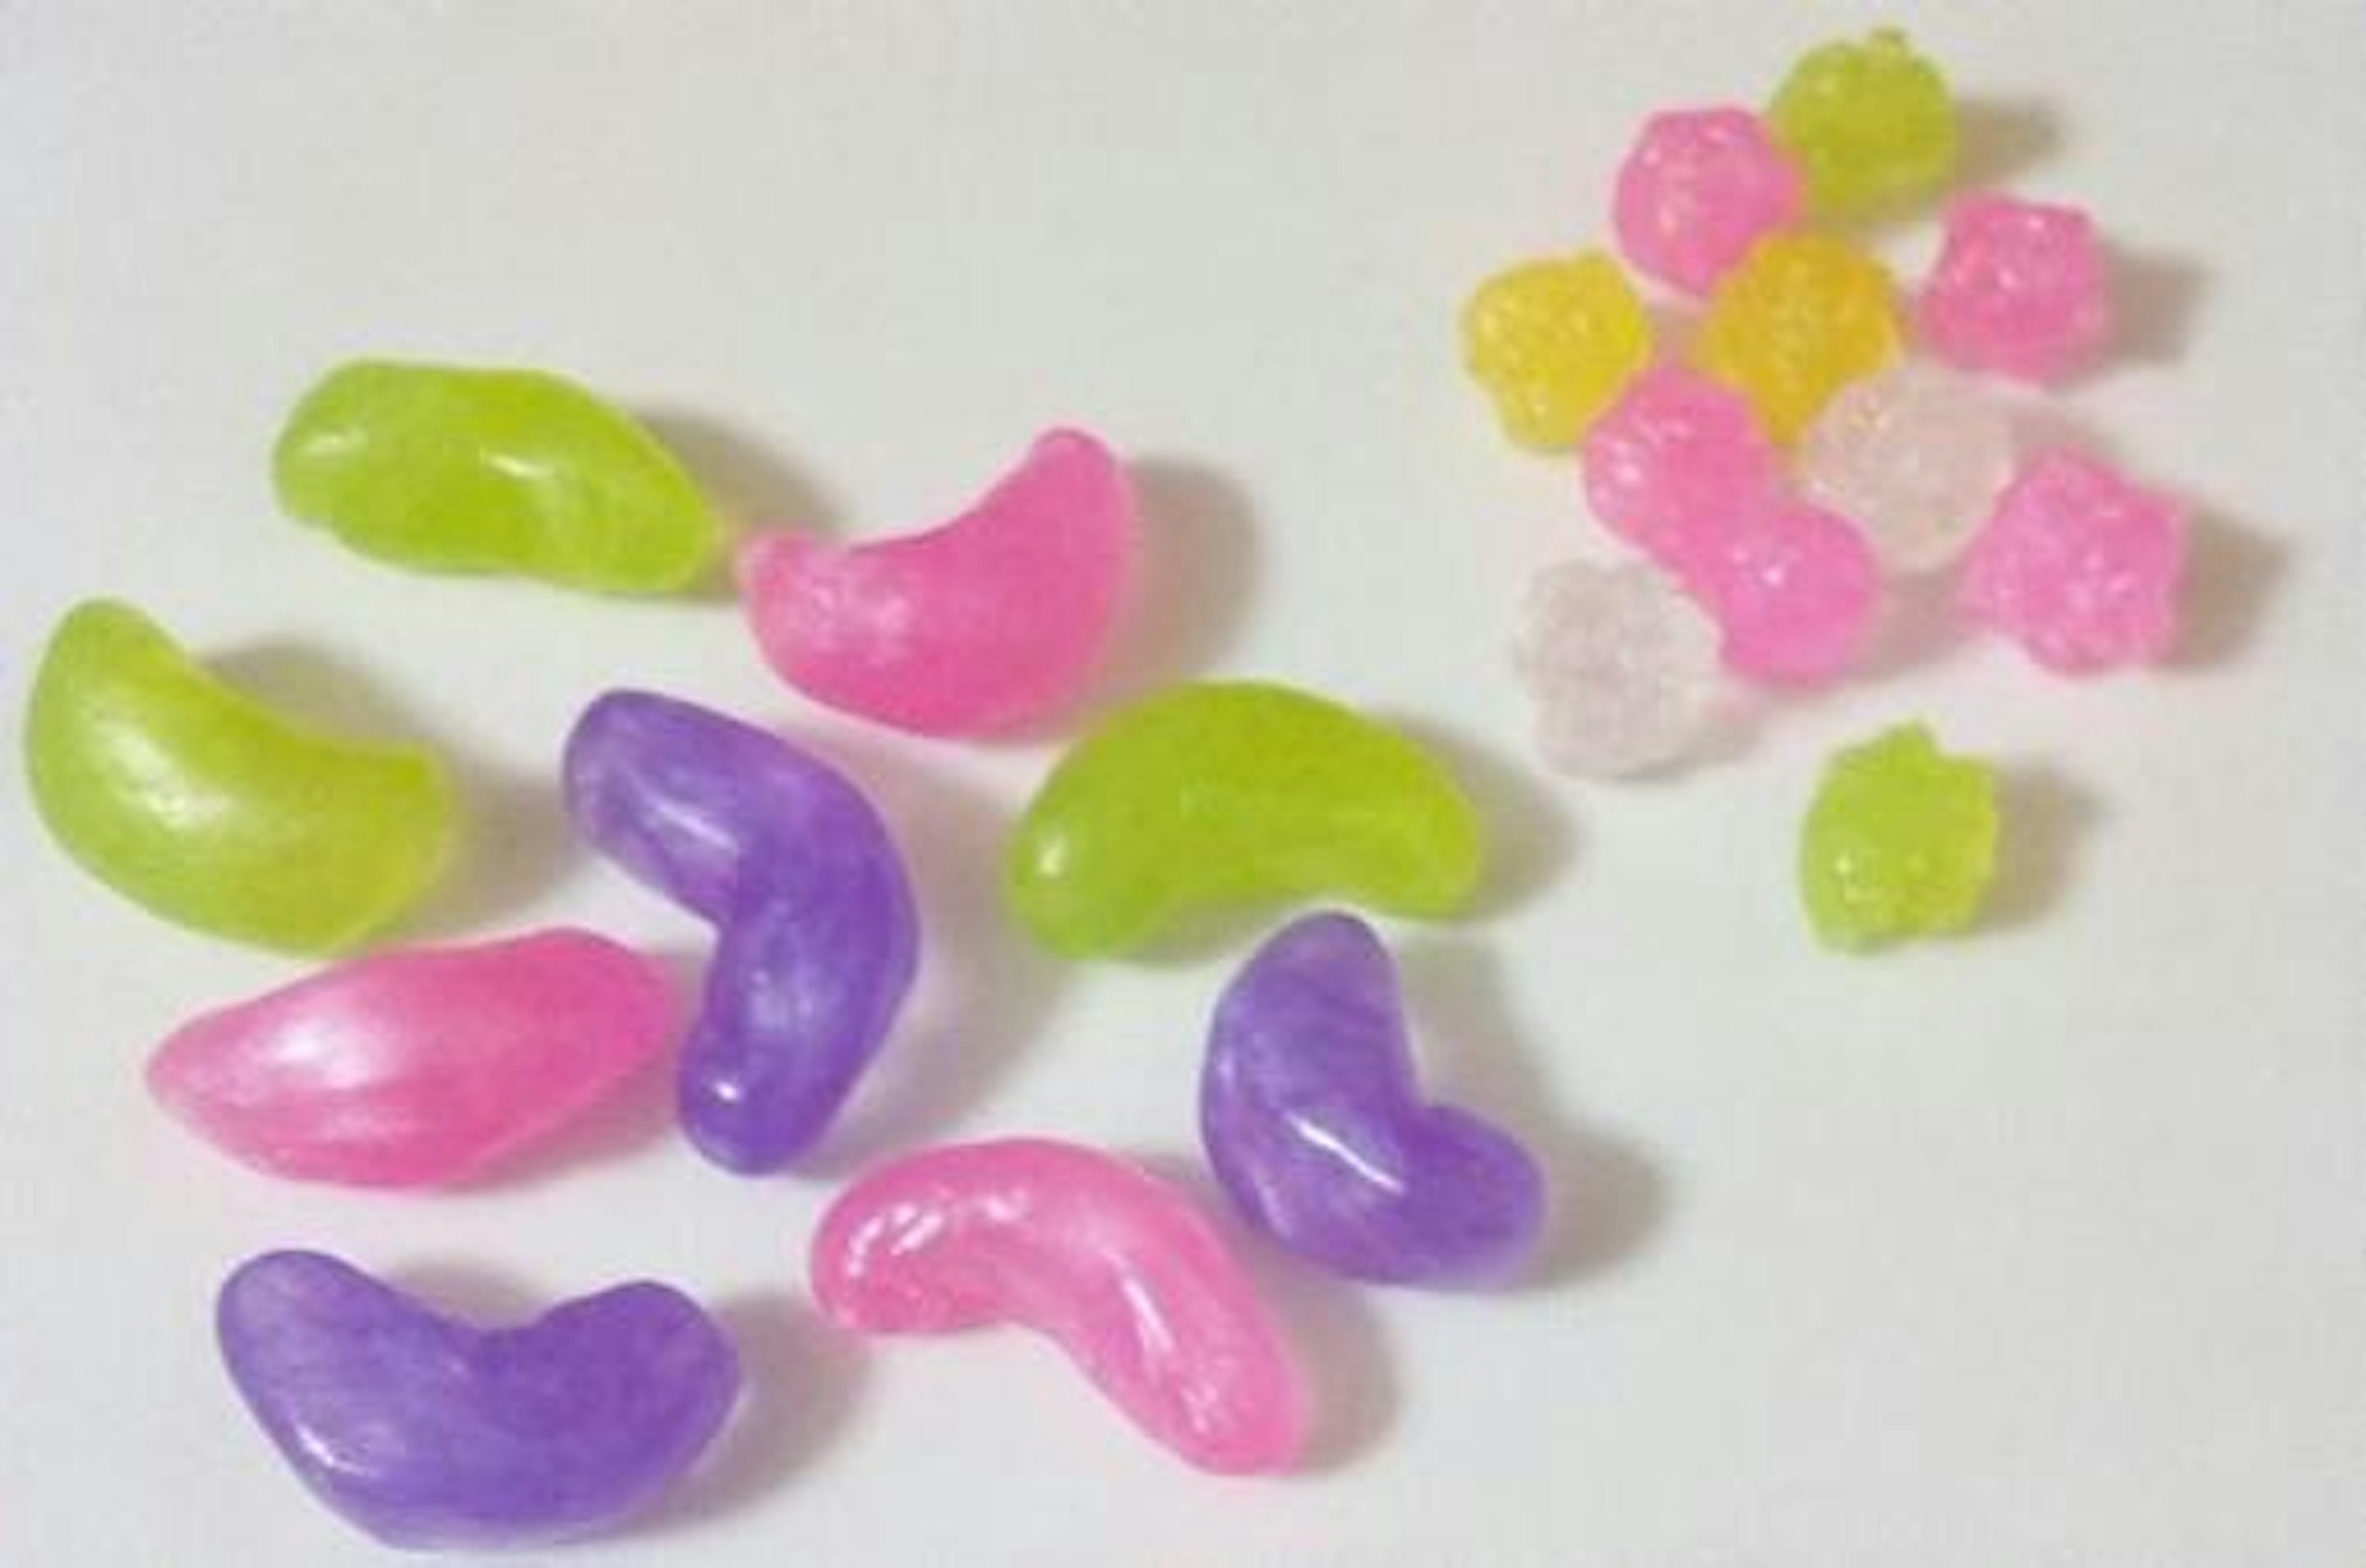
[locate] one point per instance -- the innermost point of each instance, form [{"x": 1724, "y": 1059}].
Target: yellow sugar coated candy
[
  {"x": 1555, "y": 343},
  {"x": 1801, "y": 317},
  {"x": 1870, "y": 123}
]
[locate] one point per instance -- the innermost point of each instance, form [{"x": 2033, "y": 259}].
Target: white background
[{"x": 2039, "y": 1248}]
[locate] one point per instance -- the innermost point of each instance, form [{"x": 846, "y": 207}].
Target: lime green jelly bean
[
  {"x": 1236, "y": 792},
  {"x": 1901, "y": 840},
  {"x": 192, "y": 798},
  {"x": 494, "y": 470}
]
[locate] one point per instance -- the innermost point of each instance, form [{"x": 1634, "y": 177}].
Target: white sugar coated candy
[
  {"x": 1623, "y": 668},
  {"x": 1915, "y": 456}
]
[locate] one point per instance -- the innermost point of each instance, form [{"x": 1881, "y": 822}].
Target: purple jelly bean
[
  {"x": 431, "y": 1433},
  {"x": 817, "y": 939},
  {"x": 1315, "y": 1125}
]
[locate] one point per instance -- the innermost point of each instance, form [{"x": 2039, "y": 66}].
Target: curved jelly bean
[
  {"x": 461, "y": 469},
  {"x": 818, "y": 938},
  {"x": 1314, "y": 1124},
  {"x": 418, "y": 1068},
  {"x": 195, "y": 801},
  {"x": 980, "y": 624},
  {"x": 1236, "y": 792},
  {"x": 430, "y": 1433},
  {"x": 1115, "y": 1266}
]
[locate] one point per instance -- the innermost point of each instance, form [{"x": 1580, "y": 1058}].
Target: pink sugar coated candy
[
  {"x": 1697, "y": 190},
  {"x": 2079, "y": 566},
  {"x": 2020, "y": 288},
  {"x": 1794, "y": 588},
  {"x": 1677, "y": 456},
  {"x": 981, "y": 624}
]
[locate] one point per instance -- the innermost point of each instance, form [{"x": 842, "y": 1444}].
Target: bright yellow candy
[
  {"x": 1800, "y": 318},
  {"x": 195, "y": 800},
  {"x": 1554, "y": 342},
  {"x": 1870, "y": 123}
]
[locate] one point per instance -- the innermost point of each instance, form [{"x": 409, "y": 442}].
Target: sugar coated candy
[
  {"x": 817, "y": 935},
  {"x": 433, "y": 1433},
  {"x": 1316, "y": 1126},
  {"x": 1235, "y": 791},
  {"x": 983, "y": 623},
  {"x": 1699, "y": 188},
  {"x": 1800, "y": 318},
  {"x": 198, "y": 802},
  {"x": 518, "y": 471},
  {"x": 1678, "y": 460},
  {"x": 1553, "y": 341},
  {"x": 1915, "y": 456},
  {"x": 1901, "y": 840},
  {"x": 2020, "y": 288},
  {"x": 1115, "y": 1266},
  {"x": 1871, "y": 122},
  {"x": 1621, "y": 666},
  {"x": 2078, "y": 565},
  {"x": 421, "y": 1067},
  {"x": 1795, "y": 592}
]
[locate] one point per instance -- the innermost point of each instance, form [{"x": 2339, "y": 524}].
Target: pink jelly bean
[
  {"x": 1114, "y": 1264},
  {"x": 2020, "y": 288},
  {"x": 978, "y": 625},
  {"x": 1795, "y": 589},
  {"x": 1678, "y": 455},
  {"x": 1698, "y": 190},
  {"x": 418, "y": 1068},
  {"x": 2078, "y": 565}
]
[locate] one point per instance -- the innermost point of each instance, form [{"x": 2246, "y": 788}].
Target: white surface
[{"x": 2037, "y": 1248}]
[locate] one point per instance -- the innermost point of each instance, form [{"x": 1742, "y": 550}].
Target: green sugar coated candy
[
  {"x": 1870, "y": 123},
  {"x": 516, "y": 471},
  {"x": 1236, "y": 792},
  {"x": 1901, "y": 840},
  {"x": 199, "y": 803}
]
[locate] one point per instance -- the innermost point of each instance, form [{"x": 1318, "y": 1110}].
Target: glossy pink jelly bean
[
  {"x": 979, "y": 624},
  {"x": 1116, "y": 1266},
  {"x": 421, "y": 1067}
]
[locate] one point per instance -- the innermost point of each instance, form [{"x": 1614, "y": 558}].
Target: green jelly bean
[
  {"x": 194, "y": 799},
  {"x": 1236, "y": 792},
  {"x": 516, "y": 471}
]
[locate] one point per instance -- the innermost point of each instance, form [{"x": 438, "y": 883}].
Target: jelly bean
[
  {"x": 2078, "y": 565},
  {"x": 980, "y": 624},
  {"x": 1698, "y": 190},
  {"x": 419, "y": 1068},
  {"x": 1799, "y": 319},
  {"x": 1553, "y": 341},
  {"x": 1901, "y": 840},
  {"x": 1915, "y": 456},
  {"x": 459, "y": 469},
  {"x": 1314, "y": 1124},
  {"x": 1117, "y": 1268},
  {"x": 1680, "y": 457},
  {"x": 1871, "y": 122},
  {"x": 431, "y": 1434},
  {"x": 1231, "y": 792},
  {"x": 1795, "y": 590},
  {"x": 195, "y": 801},
  {"x": 1621, "y": 666},
  {"x": 817, "y": 935},
  {"x": 2019, "y": 288}
]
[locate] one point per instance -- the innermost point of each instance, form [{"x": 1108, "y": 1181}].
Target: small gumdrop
[
  {"x": 1915, "y": 456},
  {"x": 1901, "y": 840},
  {"x": 1698, "y": 190},
  {"x": 1799, "y": 319},
  {"x": 1795, "y": 589},
  {"x": 2079, "y": 566},
  {"x": 1554, "y": 342},
  {"x": 2021, "y": 288},
  {"x": 1679, "y": 454},
  {"x": 1621, "y": 666},
  {"x": 1870, "y": 121}
]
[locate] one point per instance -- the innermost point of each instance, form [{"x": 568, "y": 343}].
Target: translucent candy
[
  {"x": 1871, "y": 122},
  {"x": 516, "y": 471},
  {"x": 2020, "y": 288},
  {"x": 1795, "y": 590},
  {"x": 431, "y": 1433},
  {"x": 419, "y": 1068},
  {"x": 983, "y": 623},
  {"x": 817, "y": 937},
  {"x": 1799, "y": 319},
  {"x": 1622, "y": 667},
  {"x": 1914, "y": 456},
  {"x": 1698, "y": 190},
  {"x": 198, "y": 802},
  {"x": 1901, "y": 840},
  {"x": 2078, "y": 565},
  {"x": 1678, "y": 455},
  {"x": 1553, "y": 341},
  {"x": 1229, "y": 792},
  {"x": 1314, "y": 1123}
]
